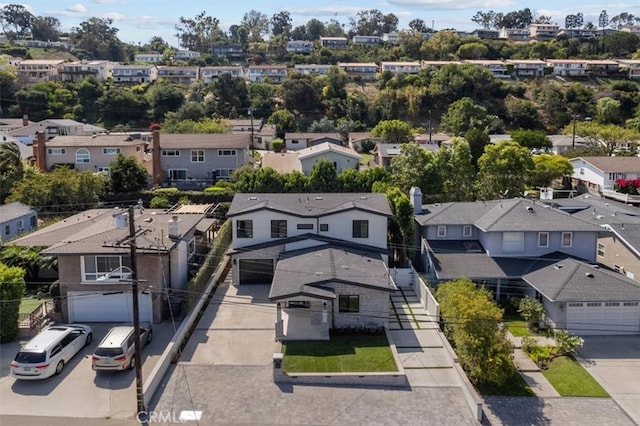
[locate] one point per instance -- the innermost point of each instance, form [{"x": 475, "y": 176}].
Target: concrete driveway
[
  {"x": 614, "y": 361},
  {"x": 78, "y": 391}
]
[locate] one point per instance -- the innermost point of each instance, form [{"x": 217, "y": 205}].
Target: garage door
[
  {"x": 589, "y": 318},
  {"x": 256, "y": 271},
  {"x": 107, "y": 307}
]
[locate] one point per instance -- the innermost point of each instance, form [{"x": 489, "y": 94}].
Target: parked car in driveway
[
  {"x": 48, "y": 352},
  {"x": 116, "y": 351}
]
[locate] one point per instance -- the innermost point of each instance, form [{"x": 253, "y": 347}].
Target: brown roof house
[{"x": 94, "y": 260}]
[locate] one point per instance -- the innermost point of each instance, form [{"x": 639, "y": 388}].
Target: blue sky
[{"x": 139, "y": 20}]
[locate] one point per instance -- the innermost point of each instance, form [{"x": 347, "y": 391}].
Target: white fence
[{"x": 408, "y": 277}]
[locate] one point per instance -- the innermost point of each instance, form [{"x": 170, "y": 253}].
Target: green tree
[
  {"x": 11, "y": 168},
  {"x": 18, "y": 17},
  {"x": 295, "y": 182},
  {"x": 12, "y": 289},
  {"x": 474, "y": 50},
  {"x": 199, "y": 33},
  {"x": 402, "y": 225},
  {"x": 609, "y": 136},
  {"x": 126, "y": 174},
  {"x": 28, "y": 259},
  {"x": 121, "y": 105},
  {"x": 257, "y": 23},
  {"x": 281, "y": 24},
  {"x": 472, "y": 322},
  {"x": 323, "y": 177},
  {"x": 99, "y": 39},
  {"x": 414, "y": 166},
  {"x": 284, "y": 120},
  {"x": 531, "y": 311},
  {"x": 60, "y": 190},
  {"x": 531, "y": 139},
  {"x": 455, "y": 167},
  {"x": 301, "y": 93},
  {"x": 229, "y": 94},
  {"x": 503, "y": 170},
  {"x": 207, "y": 125},
  {"x": 394, "y": 131},
  {"x": 608, "y": 111},
  {"x": 477, "y": 140},
  {"x": 547, "y": 167},
  {"x": 163, "y": 97},
  {"x": 45, "y": 28},
  {"x": 522, "y": 113},
  {"x": 464, "y": 115}
]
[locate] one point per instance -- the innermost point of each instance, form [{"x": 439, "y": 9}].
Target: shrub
[
  {"x": 160, "y": 202},
  {"x": 566, "y": 342},
  {"x": 12, "y": 289},
  {"x": 529, "y": 344},
  {"x": 627, "y": 186},
  {"x": 277, "y": 145},
  {"x": 531, "y": 311}
]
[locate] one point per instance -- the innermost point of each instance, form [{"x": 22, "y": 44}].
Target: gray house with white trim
[{"x": 16, "y": 218}]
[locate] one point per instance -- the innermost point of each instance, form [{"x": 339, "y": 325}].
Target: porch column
[
  {"x": 279, "y": 324},
  {"x": 498, "y": 289},
  {"x": 324, "y": 327}
]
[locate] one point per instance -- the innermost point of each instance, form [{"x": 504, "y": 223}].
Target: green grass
[
  {"x": 28, "y": 304},
  {"x": 342, "y": 354},
  {"x": 516, "y": 326},
  {"x": 366, "y": 158},
  {"x": 514, "y": 386},
  {"x": 569, "y": 378}
]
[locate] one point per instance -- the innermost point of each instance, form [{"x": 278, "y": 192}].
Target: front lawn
[
  {"x": 28, "y": 304},
  {"x": 342, "y": 354},
  {"x": 569, "y": 378},
  {"x": 516, "y": 326},
  {"x": 513, "y": 386}
]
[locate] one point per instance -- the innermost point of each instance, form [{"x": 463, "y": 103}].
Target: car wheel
[
  {"x": 150, "y": 336},
  {"x": 60, "y": 367},
  {"x": 132, "y": 363},
  {"x": 89, "y": 339}
]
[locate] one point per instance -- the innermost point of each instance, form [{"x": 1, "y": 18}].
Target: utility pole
[
  {"x": 573, "y": 140},
  {"x": 136, "y": 311}
]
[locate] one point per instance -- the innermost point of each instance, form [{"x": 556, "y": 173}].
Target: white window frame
[
  {"x": 570, "y": 234},
  {"x": 441, "y": 232},
  {"x": 113, "y": 263},
  {"x": 20, "y": 225},
  {"x": 540, "y": 235},
  {"x": 197, "y": 155},
  {"x": 170, "y": 153},
  {"x": 56, "y": 151},
  {"x": 513, "y": 242},
  {"x": 191, "y": 248},
  {"x": 83, "y": 155},
  {"x": 601, "y": 250},
  {"x": 111, "y": 151},
  {"x": 224, "y": 173},
  {"x": 467, "y": 231},
  {"x": 171, "y": 172},
  {"x": 227, "y": 153}
]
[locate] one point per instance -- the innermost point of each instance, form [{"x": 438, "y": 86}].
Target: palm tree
[{"x": 11, "y": 159}]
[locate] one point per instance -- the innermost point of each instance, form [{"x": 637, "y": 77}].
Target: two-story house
[
  {"x": 364, "y": 71},
  {"x": 185, "y": 55},
  {"x": 31, "y": 71},
  {"x": 399, "y": 67},
  {"x": 93, "y": 253},
  {"x": 334, "y": 42},
  {"x": 366, "y": 40},
  {"x": 599, "y": 173},
  {"x": 53, "y": 127},
  {"x": 498, "y": 68},
  {"x": 527, "y": 67},
  {"x": 303, "y": 161},
  {"x": 543, "y": 32},
  {"x": 323, "y": 256},
  {"x": 267, "y": 73},
  {"x": 209, "y": 74},
  {"x": 79, "y": 70},
  {"x": 130, "y": 74},
  {"x": 569, "y": 67},
  {"x": 318, "y": 69},
  {"x": 514, "y": 34},
  {"x": 148, "y": 58},
  {"x": 520, "y": 247},
  {"x": 631, "y": 67},
  {"x": 178, "y": 75},
  {"x": 94, "y": 153},
  {"x": 233, "y": 52},
  {"x": 15, "y": 219},
  {"x": 197, "y": 160},
  {"x": 299, "y": 46}
]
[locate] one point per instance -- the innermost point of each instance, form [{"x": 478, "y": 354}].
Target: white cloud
[
  {"x": 326, "y": 11},
  {"x": 452, "y": 4},
  {"x": 77, "y": 9},
  {"x": 109, "y": 1}
]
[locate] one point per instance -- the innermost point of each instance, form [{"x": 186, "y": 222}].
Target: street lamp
[{"x": 575, "y": 117}]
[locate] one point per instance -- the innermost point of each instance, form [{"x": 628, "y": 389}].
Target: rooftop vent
[
  {"x": 253, "y": 198},
  {"x": 558, "y": 266},
  {"x": 589, "y": 275},
  {"x": 530, "y": 209}
]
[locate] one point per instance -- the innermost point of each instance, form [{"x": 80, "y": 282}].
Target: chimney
[
  {"x": 415, "y": 196},
  {"x": 174, "y": 227},
  {"x": 155, "y": 158},
  {"x": 25, "y": 120},
  {"x": 40, "y": 152}
]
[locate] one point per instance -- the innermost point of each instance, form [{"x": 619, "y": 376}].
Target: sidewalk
[{"x": 528, "y": 369}]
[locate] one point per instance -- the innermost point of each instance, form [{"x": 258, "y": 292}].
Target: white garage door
[
  {"x": 603, "y": 318},
  {"x": 107, "y": 307}
]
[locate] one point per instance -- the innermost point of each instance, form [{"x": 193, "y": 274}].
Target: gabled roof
[
  {"x": 205, "y": 140},
  {"x": 326, "y": 147},
  {"x": 570, "y": 280},
  {"x": 97, "y": 231},
  {"x": 93, "y": 140},
  {"x": 25, "y": 151},
  {"x": 13, "y": 210},
  {"x": 282, "y": 162},
  {"x": 320, "y": 239},
  {"x": 312, "y": 272},
  {"x": 312, "y": 136},
  {"x": 503, "y": 216},
  {"x": 310, "y": 205},
  {"x": 610, "y": 164}
]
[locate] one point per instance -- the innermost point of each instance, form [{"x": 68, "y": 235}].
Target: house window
[
  {"x": 512, "y": 242},
  {"x": 177, "y": 174},
  {"x": 349, "y": 303},
  {"x": 56, "y": 151},
  {"x": 600, "y": 250},
  {"x": 466, "y": 231},
  {"x": 324, "y": 227},
  {"x": 360, "y": 229},
  {"x": 244, "y": 229},
  {"x": 83, "y": 156},
  {"x": 543, "y": 239},
  {"x": 304, "y": 226},
  {"x": 170, "y": 153},
  {"x": 20, "y": 225},
  {"x": 442, "y": 231},
  {"x": 110, "y": 151},
  {"x": 226, "y": 152},
  {"x": 567, "y": 239},
  {"x": 224, "y": 173},
  {"x": 278, "y": 229},
  {"x": 95, "y": 267},
  {"x": 295, "y": 304},
  {"x": 197, "y": 155},
  {"x": 191, "y": 248},
  {"x": 7, "y": 229}
]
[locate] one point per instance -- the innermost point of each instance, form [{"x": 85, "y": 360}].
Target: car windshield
[
  {"x": 109, "y": 352},
  {"x": 31, "y": 357}
]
